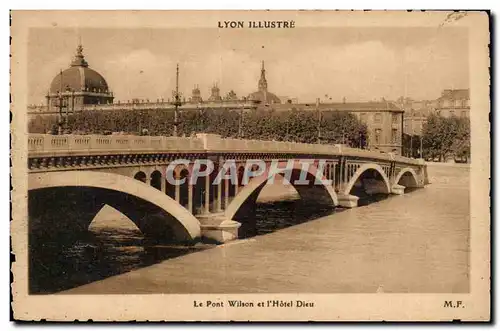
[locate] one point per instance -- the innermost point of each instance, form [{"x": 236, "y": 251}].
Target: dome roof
[
  {"x": 264, "y": 97},
  {"x": 79, "y": 77}
]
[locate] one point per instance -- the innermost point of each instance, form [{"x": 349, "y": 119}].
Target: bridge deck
[{"x": 43, "y": 145}]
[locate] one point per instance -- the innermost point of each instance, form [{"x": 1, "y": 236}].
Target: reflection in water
[
  {"x": 93, "y": 255},
  {"x": 276, "y": 215},
  {"x": 58, "y": 264}
]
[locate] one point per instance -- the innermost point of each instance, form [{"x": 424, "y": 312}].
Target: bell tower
[
  {"x": 215, "y": 93},
  {"x": 196, "y": 95},
  {"x": 262, "y": 80}
]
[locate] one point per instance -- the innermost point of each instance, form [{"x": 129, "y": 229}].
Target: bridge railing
[
  {"x": 75, "y": 143},
  {"x": 231, "y": 144},
  {"x": 215, "y": 143},
  {"x": 50, "y": 144}
]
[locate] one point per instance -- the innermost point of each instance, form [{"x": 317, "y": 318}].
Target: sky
[{"x": 355, "y": 63}]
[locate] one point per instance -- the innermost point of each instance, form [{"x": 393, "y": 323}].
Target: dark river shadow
[
  {"x": 276, "y": 215},
  {"x": 93, "y": 255}
]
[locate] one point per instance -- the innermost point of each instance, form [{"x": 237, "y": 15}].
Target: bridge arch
[
  {"x": 180, "y": 170},
  {"x": 247, "y": 196},
  {"x": 407, "y": 177},
  {"x": 385, "y": 186},
  {"x": 183, "y": 173},
  {"x": 155, "y": 179},
  {"x": 154, "y": 213},
  {"x": 141, "y": 176}
]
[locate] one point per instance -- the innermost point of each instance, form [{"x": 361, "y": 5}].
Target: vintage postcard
[{"x": 250, "y": 165}]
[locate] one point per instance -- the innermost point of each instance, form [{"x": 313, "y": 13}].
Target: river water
[{"x": 418, "y": 242}]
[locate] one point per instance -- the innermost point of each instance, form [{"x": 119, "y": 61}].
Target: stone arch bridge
[{"x": 80, "y": 174}]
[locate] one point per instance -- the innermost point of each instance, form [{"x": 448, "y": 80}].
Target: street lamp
[
  {"x": 287, "y": 127},
  {"x": 411, "y": 144},
  {"x": 240, "y": 121},
  {"x": 421, "y": 144},
  {"x": 177, "y": 102},
  {"x": 141, "y": 114},
  {"x": 60, "y": 105},
  {"x": 199, "y": 121},
  {"x": 319, "y": 120}
]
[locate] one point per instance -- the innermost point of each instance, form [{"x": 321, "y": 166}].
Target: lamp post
[
  {"x": 240, "y": 121},
  {"x": 287, "y": 128},
  {"x": 411, "y": 135},
  {"x": 177, "y": 102},
  {"x": 342, "y": 119},
  {"x": 200, "y": 124},
  {"x": 421, "y": 145},
  {"x": 141, "y": 114},
  {"x": 60, "y": 122},
  {"x": 319, "y": 120}
]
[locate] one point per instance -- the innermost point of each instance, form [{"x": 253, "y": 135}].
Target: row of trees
[
  {"x": 442, "y": 138},
  {"x": 445, "y": 137},
  {"x": 295, "y": 125}
]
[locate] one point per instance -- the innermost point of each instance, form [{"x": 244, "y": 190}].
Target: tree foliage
[
  {"x": 411, "y": 145},
  {"x": 295, "y": 125},
  {"x": 446, "y": 137}
]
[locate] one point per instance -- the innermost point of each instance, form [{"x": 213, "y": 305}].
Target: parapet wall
[{"x": 44, "y": 144}]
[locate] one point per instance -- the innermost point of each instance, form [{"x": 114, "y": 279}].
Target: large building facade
[
  {"x": 80, "y": 88},
  {"x": 384, "y": 120},
  {"x": 452, "y": 102}
]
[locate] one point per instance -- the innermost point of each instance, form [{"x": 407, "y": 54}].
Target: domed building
[
  {"x": 262, "y": 96},
  {"x": 78, "y": 85}
]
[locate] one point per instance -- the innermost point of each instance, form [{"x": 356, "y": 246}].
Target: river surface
[{"x": 418, "y": 242}]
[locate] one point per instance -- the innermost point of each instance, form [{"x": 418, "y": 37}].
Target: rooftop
[
  {"x": 457, "y": 94},
  {"x": 342, "y": 106}
]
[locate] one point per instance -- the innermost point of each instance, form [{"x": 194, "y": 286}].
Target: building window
[
  {"x": 394, "y": 137},
  {"x": 452, "y": 112},
  {"x": 378, "y": 118},
  {"x": 394, "y": 118},
  {"x": 463, "y": 113},
  {"x": 377, "y": 136}
]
